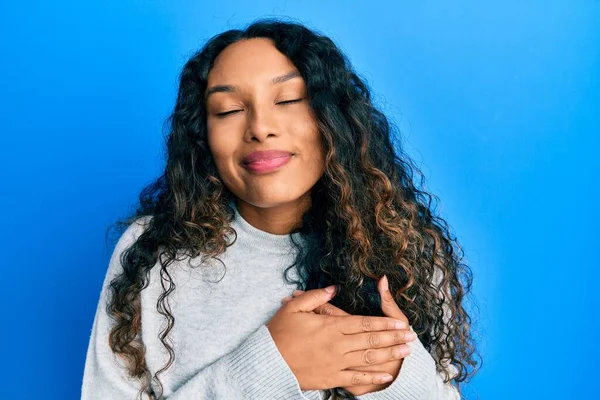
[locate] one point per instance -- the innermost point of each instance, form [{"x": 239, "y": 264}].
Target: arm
[
  {"x": 254, "y": 369},
  {"x": 418, "y": 378}
]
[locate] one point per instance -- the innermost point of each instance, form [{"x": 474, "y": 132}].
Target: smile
[{"x": 265, "y": 166}]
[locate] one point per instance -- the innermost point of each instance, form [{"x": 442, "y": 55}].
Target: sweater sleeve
[{"x": 254, "y": 369}]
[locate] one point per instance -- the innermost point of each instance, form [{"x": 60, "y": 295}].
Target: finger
[
  {"x": 311, "y": 299},
  {"x": 330, "y": 309},
  {"x": 357, "y": 378},
  {"x": 325, "y": 309},
  {"x": 386, "y": 366},
  {"x": 351, "y": 324},
  {"x": 375, "y": 356},
  {"x": 388, "y": 303},
  {"x": 286, "y": 299},
  {"x": 376, "y": 340}
]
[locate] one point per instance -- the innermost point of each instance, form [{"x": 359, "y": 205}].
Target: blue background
[{"x": 499, "y": 104}]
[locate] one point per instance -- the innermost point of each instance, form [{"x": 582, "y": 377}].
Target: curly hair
[{"x": 368, "y": 215}]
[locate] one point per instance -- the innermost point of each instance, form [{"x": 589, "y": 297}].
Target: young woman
[{"x": 281, "y": 175}]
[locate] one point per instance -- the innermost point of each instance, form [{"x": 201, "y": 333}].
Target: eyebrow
[{"x": 232, "y": 88}]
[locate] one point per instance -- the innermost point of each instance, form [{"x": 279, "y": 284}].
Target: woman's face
[{"x": 266, "y": 109}]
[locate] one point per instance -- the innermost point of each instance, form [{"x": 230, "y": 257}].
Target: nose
[{"x": 261, "y": 124}]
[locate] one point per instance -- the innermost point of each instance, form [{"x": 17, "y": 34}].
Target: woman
[{"x": 281, "y": 175}]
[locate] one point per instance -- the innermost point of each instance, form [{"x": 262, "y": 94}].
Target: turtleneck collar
[{"x": 254, "y": 237}]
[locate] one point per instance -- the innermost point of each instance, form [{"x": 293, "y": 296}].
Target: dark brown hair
[{"x": 368, "y": 216}]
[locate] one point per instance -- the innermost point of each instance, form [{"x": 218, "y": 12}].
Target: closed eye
[
  {"x": 289, "y": 101},
  {"x": 224, "y": 114}
]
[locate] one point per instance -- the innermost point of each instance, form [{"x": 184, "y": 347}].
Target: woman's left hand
[{"x": 390, "y": 309}]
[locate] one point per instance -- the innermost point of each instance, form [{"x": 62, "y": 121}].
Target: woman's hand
[
  {"x": 390, "y": 309},
  {"x": 326, "y": 351}
]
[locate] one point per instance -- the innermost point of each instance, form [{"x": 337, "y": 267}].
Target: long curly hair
[{"x": 368, "y": 217}]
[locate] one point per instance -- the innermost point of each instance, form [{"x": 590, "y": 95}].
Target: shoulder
[
  {"x": 133, "y": 231},
  {"x": 131, "y": 234}
]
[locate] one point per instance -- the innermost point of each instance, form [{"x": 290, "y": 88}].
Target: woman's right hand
[{"x": 321, "y": 350}]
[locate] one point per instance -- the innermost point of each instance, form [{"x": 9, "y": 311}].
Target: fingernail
[
  {"x": 386, "y": 284},
  {"x": 387, "y": 378},
  {"x": 330, "y": 289},
  {"x": 402, "y": 351}
]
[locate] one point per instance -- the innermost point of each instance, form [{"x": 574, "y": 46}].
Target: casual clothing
[{"x": 223, "y": 349}]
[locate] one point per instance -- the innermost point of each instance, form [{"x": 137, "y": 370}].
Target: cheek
[
  {"x": 217, "y": 140},
  {"x": 314, "y": 142},
  {"x": 220, "y": 151}
]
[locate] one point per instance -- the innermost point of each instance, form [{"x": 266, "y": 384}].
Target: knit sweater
[{"x": 223, "y": 349}]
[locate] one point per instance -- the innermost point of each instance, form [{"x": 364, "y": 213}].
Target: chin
[{"x": 272, "y": 199}]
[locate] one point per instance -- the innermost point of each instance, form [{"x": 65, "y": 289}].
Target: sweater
[{"x": 223, "y": 349}]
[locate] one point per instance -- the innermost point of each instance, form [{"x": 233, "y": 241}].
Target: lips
[
  {"x": 265, "y": 155},
  {"x": 264, "y": 162}
]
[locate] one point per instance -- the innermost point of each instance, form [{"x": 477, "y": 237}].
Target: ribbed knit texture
[{"x": 223, "y": 349}]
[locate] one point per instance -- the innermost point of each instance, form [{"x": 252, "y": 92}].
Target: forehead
[{"x": 249, "y": 61}]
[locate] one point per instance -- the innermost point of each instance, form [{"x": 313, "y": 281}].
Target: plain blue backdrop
[{"x": 498, "y": 103}]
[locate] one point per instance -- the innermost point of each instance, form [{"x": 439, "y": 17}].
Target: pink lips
[{"x": 266, "y": 161}]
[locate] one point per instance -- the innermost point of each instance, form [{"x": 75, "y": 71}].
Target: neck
[{"x": 280, "y": 219}]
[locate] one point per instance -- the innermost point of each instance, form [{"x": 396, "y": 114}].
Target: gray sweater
[{"x": 223, "y": 349}]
